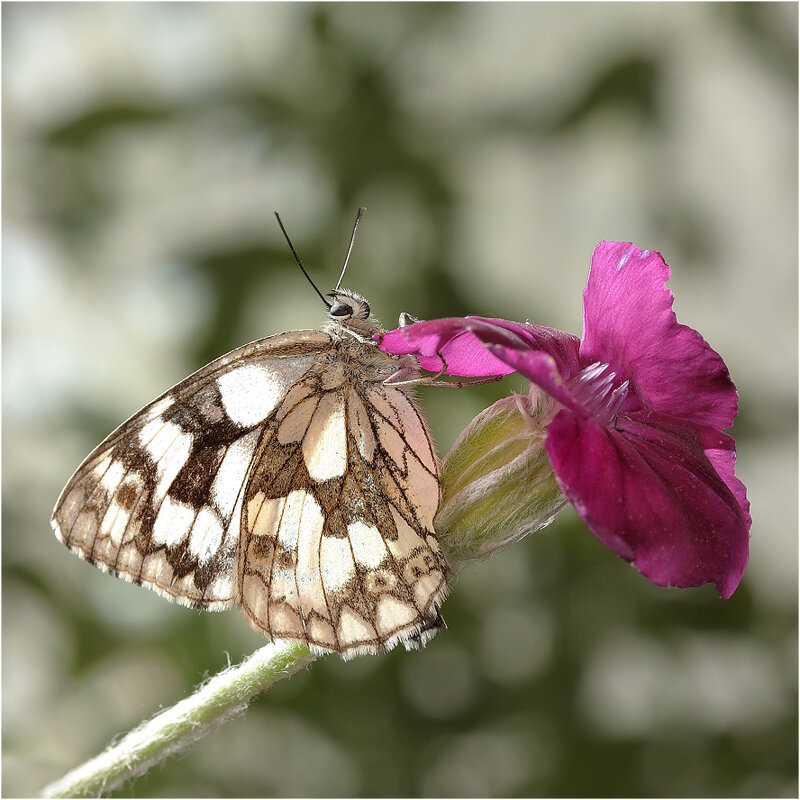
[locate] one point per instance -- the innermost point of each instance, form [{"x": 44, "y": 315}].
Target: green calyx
[{"x": 497, "y": 481}]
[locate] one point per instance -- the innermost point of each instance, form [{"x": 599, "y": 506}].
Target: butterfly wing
[
  {"x": 338, "y": 546},
  {"x": 285, "y": 477},
  {"x": 159, "y": 501}
]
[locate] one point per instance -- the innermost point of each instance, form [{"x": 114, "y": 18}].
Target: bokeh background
[{"x": 145, "y": 147}]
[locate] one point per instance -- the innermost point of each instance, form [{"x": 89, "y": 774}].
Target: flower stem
[{"x": 213, "y": 703}]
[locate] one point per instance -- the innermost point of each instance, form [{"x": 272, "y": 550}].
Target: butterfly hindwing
[{"x": 338, "y": 546}]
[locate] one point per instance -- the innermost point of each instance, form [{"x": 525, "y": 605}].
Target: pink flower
[{"x": 637, "y": 444}]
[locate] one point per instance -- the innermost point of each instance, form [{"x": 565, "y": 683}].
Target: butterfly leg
[
  {"x": 401, "y": 378},
  {"x": 406, "y": 319}
]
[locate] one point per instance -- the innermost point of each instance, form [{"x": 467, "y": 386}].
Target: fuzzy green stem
[{"x": 172, "y": 730}]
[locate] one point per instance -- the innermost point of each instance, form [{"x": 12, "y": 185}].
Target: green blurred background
[{"x": 145, "y": 147}]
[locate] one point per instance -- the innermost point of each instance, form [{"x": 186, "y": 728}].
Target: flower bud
[{"x": 497, "y": 481}]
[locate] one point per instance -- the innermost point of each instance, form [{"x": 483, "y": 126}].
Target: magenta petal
[
  {"x": 445, "y": 343},
  {"x": 541, "y": 369},
  {"x": 460, "y": 344},
  {"x": 720, "y": 449},
  {"x": 649, "y": 492},
  {"x": 628, "y": 322},
  {"x": 466, "y": 355}
]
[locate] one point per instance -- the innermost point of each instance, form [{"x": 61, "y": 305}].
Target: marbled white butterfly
[{"x": 289, "y": 477}]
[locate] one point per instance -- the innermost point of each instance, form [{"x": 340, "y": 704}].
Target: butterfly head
[
  {"x": 347, "y": 305},
  {"x": 351, "y": 311}
]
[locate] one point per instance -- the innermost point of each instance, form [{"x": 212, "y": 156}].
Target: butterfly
[{"x": 294, "y": 477}]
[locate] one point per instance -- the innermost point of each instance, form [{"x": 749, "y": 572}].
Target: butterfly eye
[{"x": 340, "y": 310}]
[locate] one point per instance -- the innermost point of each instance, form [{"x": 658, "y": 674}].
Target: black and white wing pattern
[{"x": 287, "y": 477}]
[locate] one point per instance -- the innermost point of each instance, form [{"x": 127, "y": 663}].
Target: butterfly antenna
[
  {"x": 350, "y": 249},
  {"x": 300, "y": 263}
]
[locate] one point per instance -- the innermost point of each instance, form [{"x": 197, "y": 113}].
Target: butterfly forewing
[
  {"x": 159, "y": 501},
  {"x": 285, "y": 477}
]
